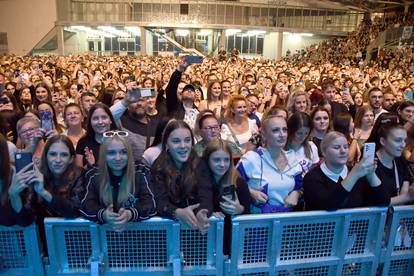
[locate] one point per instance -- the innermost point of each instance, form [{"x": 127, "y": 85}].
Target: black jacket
[
  {"x": 171, "y": 186},
  {"x": 322, "y": 193},
  {"x": 141, "y": 204},
  {"x": 175, "y": 108}
]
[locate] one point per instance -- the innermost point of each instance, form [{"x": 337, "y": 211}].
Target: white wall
[
  {"x": 297, "y": 42},
  {"x": 270, "y": 45},
  {"x": 26, "y": 22}
]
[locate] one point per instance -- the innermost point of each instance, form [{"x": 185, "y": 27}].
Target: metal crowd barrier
[
  {"x": 399, "y": 253},
  {"x": 20, "y": 251},
  {"x": 346, "y": 242},
  {"x": 154, "y": 247}
]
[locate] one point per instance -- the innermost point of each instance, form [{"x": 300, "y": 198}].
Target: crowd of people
[
  {"x": 81, "y": 137},
  {"x": 352, "y": 48}
]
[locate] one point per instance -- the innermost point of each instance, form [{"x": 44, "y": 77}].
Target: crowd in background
[{"x": 225, "y": 137}]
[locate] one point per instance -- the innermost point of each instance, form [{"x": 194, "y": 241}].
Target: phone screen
[
  {"x": 47, "y": 121},
  {"x": 229, "y": 192},
  {"x": 22, "y": 160}
]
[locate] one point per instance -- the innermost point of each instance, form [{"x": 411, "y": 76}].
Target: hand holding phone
[
  {"x": 138, "y": 93},
  {"x": 369, "y": 152},
  {"x": 23, "y": 159},
  {"x": 194, "y": 59},
  {"x": 46, "y": 121},
  {"x": 229, "y": 192}
]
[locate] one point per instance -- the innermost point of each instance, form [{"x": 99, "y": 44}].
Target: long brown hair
[
  {"x": 229, "y": 178},
  {"x": 5, "y": 169},
  {"x": 71, "y": 173},
  {"x": 128, "y": 181}
]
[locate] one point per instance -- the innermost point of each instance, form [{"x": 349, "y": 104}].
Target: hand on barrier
[
  {"x": 218, "y": 214},
  {"x": 231, "y": 207},
  {"x": 202, "y": 221},
  {"x": 124, "y": 216},
  {"x": 109, "y": 215},
  {"x": 258, "y": 196},
  {"x": 186, "y": 215}
]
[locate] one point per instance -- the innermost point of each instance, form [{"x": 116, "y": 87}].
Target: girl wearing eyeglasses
[
  {"x": 118, "y": 190},
  {"x": 182, "y": 184},
  {"x": 52, "y": 189},
  {"x": 100, "y": 120}
]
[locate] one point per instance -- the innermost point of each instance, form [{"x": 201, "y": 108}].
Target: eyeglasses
[
  {"x": 210, "y": 128},
  {"x": 112, "y": 133},
  {"x": 27, "y": 131}
]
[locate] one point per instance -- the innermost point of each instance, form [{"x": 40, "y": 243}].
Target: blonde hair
[
  {"x": 327, "y": 140},
  {"x": 292, "y": 98},
  {"x": 127, "y": 185}
]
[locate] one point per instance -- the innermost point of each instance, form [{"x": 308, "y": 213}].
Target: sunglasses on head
[{"x": 112, "y": 133}]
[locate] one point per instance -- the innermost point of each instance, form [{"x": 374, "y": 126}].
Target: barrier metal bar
[
  {"x": 344, "y": 242},
  {"x": 20, "y": 252},
  {"x": 399, "y": 254}
]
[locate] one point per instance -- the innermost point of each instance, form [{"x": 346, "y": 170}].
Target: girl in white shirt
[
  {"x": 273, "y": 175},
  {"x": 238, "y": 127},
  {"x": 306, "y": 152}
]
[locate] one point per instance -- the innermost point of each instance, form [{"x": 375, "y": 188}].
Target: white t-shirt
[
  {"x": 260, "y": 172},
  {"x": 305, "y": 162},
  {"x": 242, "y": 138}
]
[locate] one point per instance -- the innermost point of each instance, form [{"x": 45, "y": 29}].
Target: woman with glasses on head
[
  {"x": 100, "y": 120},
  {"x": 118, "y": 190},
  {"x": 182, "y": 185}
]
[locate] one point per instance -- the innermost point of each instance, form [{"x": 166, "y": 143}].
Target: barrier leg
[
  {"x": 95, "y": 268},
  {"x": 177, "y": 267}
]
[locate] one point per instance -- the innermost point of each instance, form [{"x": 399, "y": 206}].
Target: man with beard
[
  {"x": 130, "y": 114},
  {"x": 181, "y": 106}
]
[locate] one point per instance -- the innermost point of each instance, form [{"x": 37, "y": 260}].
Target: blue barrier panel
[
  {"x": 399, "y": 256},
  {"x": 202, "y": 254},
  {"x": 345, "y": 242},
  {"x": 145, "y": 248},
  {"x": 153, "y": 247},
  {"x": 72, "y": 246},
  {"x": 20, "y": 252}
]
